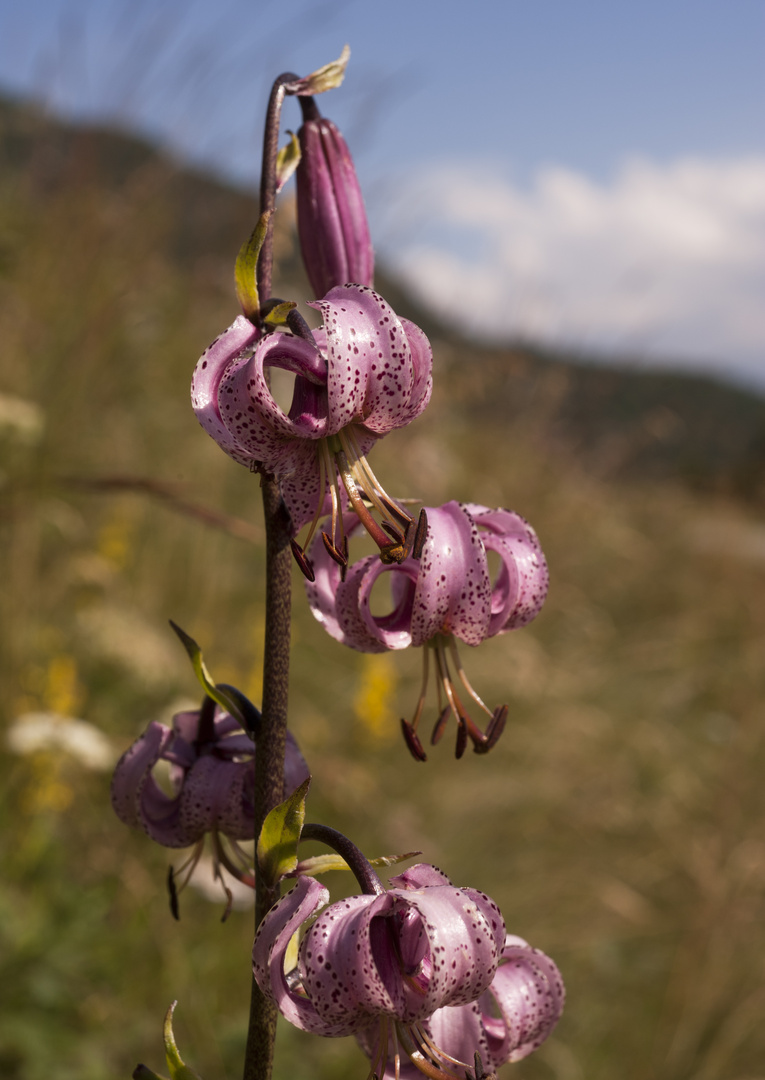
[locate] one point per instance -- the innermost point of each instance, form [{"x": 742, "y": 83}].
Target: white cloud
[{"x": 664, "y": 262}]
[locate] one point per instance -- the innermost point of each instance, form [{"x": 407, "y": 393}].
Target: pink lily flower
[
  {"x": 212, "y": 776},
  {"x": 447, "y": 595},
  {"x": 394, "y": 957},
  {"x": 508, "y": 1022},
  {"x": 366, "y": 373}
]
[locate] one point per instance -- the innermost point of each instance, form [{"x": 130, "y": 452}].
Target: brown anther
[
  {"x": 421, "y": 534},
  {"x": 391, "y": 530},
  {"x": 173, "y": 894},
  {"x": 395, "y": 510},
  {"x": 412, "y": 740},
  {"x": 302, "y": 560},
  {"x": 496, "y": 726},
  {"x": 340, "y": 558},
  {"x": 440, "y": 727},
  {"x": 462, "y": 738}
]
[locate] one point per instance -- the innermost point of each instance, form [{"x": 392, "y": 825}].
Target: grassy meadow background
[{"x": 619, "y": 823}]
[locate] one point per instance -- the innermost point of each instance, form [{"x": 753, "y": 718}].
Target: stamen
[
  {"x": 440, "y": 727},
  {"x": 338, "y": 556},
  {"x": 495, "y": 729},
  {"x": 436, "y": 1051},
  {"x": 302, "y": 560},
  {"x": 393, "y": 532},
  {"x": 421, "y": 534},
  {"x": 464, "y": 678},
  {"x": 462, "y": 738},
  {"x": 321, "y": 453},
  {"x": 173, "y": 894},
  {"x": 412, "y": 741},
  {"x": 389, "y": 552}
]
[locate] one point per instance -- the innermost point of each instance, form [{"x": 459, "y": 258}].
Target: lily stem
[
  {"x": 359, "y": 864},
  {"x": 269, "y": 759}
]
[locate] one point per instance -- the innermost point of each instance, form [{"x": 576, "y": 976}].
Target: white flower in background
[{"x": 49, "y": 732}]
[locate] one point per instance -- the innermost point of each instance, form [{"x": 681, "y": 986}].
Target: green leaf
[
  {"x": 322, "y": 864},
  {"x": 279, "y": 837},
  {"x": 219, "y": 694},
  {"x": 277, "y": 316},
  {"x": 246, "y": 268},
  {"x": 175, "y": 1063},
  {"x": 287, "y": 161}
]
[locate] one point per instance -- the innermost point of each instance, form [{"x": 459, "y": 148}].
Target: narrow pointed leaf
[
  {"x": 277, "y": 316},
  {"x": 280, "y": 835},
  {"x": 246, "y": 269},
  {"x": 178, "y": 1069},
  {"x": 322, "y": 864},
  {"x": 219, "y": 694}
]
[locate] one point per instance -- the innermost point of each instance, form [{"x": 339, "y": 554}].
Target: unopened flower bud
[{"x": 332, "y": 221}]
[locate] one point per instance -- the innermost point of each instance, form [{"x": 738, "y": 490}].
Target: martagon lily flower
[
  {"x": 211, "y": 774},
  {"x": 508, "y": 1022},
  {"x": 447, "y": 595},
  {"x": 397, "y": 967},
  {"x": 366, "y": 373}
]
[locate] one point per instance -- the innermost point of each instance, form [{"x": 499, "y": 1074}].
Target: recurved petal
[
  {"x": 206, "y": 380},
  {"x": 521, "y": 586},
  {"x": 133, "y": 772},
  {"x": 347, "y": 964},
  {"x": 453, "y": 594},
  {"x": 270, "y": 948},
  {"x": 420, "y": 875},
  {"x": 529, "y": 995},
  {"x": 422, "y": 368},
  {"x": 371, "y": 372},
  {"x": 252, "y": 416}
]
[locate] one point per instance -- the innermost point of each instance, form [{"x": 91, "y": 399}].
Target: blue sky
[{"x": 590, "y": 173}]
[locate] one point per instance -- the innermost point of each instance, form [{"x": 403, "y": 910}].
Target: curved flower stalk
[
  {"x": 508, "y": 1022},
  {"x": 394, "y": 957},
  {"x": 366, "y": 373},
  {"x": 448, "y": 595},
  {"x": 332, "y": 222},
  {"x": 211, "y": 775}
]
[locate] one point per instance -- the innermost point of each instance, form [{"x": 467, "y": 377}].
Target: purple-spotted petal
[
  {"x": 520, "y": 588},
  {"x": 344, "y": 607},
  {"x": 270, "y": 948},
  {"x": 376, "y": 376},
  {"x": 528, "y": 994},
  {"x": 218, "y": 794},
  {"x": 133, "y": 772},
  {"x": 453, "y": 593},
  {"x": 210, "y": 370}
]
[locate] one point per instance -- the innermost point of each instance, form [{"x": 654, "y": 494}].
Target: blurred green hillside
[{"x": 619, "y": 823}]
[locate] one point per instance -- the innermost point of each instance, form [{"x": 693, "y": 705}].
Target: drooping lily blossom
[
  {"x": 332, "y": 222},
  {"x": 366, "y": 373},
  {"x": 508, "y": 1022},
  {"x": 447, "y": 595},
  {"x": 395, "y": 957},
  {"x": 211, "y": 775}
]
